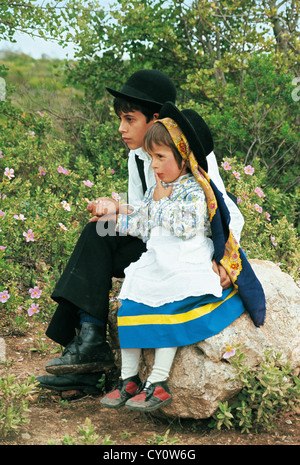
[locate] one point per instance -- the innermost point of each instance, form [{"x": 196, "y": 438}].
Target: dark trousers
[{"x": 86, "y": 281}]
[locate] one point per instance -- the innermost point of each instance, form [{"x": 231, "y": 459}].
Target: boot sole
[
  {"x": 79, "y": 368},
  {"x": 112, "y": 405},
  {"x": 85, "y": 389},
  {"x": 148, "y": 408}
]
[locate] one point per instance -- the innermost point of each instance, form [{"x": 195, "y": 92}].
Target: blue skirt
[{"x": 176, "y": 324}]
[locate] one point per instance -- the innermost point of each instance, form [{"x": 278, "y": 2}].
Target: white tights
[{"x": 162, "y": 363}]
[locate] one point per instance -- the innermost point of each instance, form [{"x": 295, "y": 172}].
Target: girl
[{"x": 171, "y": 296}]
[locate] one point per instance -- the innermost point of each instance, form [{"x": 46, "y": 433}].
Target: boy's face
[
  {"x": 164, "y": 164},
  {"x": 133, "y": 127}
]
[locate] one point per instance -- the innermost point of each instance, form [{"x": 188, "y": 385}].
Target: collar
[
  {"x": 141, "y": 154},
  {"x": 179, "y": 180}
]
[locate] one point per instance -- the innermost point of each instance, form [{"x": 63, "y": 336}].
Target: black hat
[
  {"x": 194, "y": 128},
  {"x": 147, "y": 86}
]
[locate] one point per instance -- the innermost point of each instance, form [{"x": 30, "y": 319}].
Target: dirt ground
[{"x": 53, "y": 416}]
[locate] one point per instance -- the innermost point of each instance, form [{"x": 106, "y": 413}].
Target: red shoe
[
  {"x": 127, "y": 388},
  {"x": 155, "y": 396}
]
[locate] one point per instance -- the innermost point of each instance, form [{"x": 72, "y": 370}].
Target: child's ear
[{"x": 155, "y": 115}]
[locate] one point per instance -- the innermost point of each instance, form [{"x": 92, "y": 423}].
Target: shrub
[
  {"x": 269, "y": 232},
  {"x": 267, "y": 391},
  {"x": 44, "y": 189},
  {"x": 14, "y": 400}
]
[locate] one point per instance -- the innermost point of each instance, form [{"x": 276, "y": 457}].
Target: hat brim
[
  {"x": 169, "y": 110},
  {"x": 134, "y": 96}
]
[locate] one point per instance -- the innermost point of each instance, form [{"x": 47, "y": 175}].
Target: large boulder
[{"x": 201, "y": 378}]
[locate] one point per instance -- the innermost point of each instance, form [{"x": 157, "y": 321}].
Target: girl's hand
[{"x": 160, "y": 192}]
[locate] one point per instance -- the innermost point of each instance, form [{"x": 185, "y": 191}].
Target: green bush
[
  {"x": 45, "y": 185},
  {"x": 267, "y": 391},
  {"x": 269, "y": 232},
  {"x": 14, "y": 401}
]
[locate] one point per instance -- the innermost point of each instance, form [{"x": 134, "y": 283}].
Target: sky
[{"x": 36, "y": 47}]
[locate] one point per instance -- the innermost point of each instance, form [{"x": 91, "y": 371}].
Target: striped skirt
[{"x": 176, "y": 324}]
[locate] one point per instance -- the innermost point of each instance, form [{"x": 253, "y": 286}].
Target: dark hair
[
  {"x": 158, "y": 134},
  {"x": 124, "y": 106}
]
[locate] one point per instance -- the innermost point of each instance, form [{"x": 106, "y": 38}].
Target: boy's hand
[
  {"x": 103, "y": 207},
  {"x": 160, "y": 192},
  {"x": 225, "y": 280}
]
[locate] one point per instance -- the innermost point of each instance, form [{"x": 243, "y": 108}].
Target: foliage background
[{"x": 234, "y": 62}]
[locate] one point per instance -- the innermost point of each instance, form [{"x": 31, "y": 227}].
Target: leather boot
[
  {"x": 88, "y": 383},
  {"x": 87, "y": 353}
]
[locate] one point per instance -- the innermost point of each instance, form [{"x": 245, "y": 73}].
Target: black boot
[
  {"x": 87, "y": 353},
  {"x": 87, "y": 383}
]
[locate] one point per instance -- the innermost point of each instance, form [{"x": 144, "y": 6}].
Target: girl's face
[{"x": 164, "y": 163}]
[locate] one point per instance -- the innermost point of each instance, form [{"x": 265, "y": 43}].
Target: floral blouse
[{"x": 184, "y": 214}]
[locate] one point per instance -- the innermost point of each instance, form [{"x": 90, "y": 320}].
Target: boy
[{"x": 82, "y": 293}]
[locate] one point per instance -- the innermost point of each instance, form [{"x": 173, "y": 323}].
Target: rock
[{"x": 201, "y": 378}]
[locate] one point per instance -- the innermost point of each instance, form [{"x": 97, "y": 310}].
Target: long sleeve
[
  {"x": 137, "y": 223},
  {"x": 184, "y": 214},
  {"x": 183, "y": 218}
]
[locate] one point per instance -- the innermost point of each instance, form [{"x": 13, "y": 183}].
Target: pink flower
[
  {"x": 39, "y": 113},
  {"x": 65, "y": 205},
  {"x": 3, "y": 196},
  {"x": 4, "y": 296},
  {"x": 115, "y": 196},
  {"x": 268, "y": 216},
  {"x": 1, "y": 154},
  {"x": 30, "y": 133},
  {"x": 9, "y": 172},
  {"x": 239, "y": 200},
  {"x": 2, "y": 247},
  {"x": 226, "y": 165},
  {"x": 229, "y": 353},
  {"x": 29, "y": 235},
  {"x": 236, "y": 174},
  {"x": 34, "y": 308},
  {"x": 62, "y": 170},
  {"x": 258, "y": 208},
  {"x": 259, "y": 192},
  {"x": 88, "y": 183},
  {"x": 273, "y": 241},
  {"x": 20, "y": 217},
  {"x": 2, "y": 214},
  {"x": 42, "y": 172},
  {"x": 63, "y": 227},
  {"x": 112, "y": 171},
  {"x": 249, "y": 170},
  {"x": 35, "y": 292}
]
